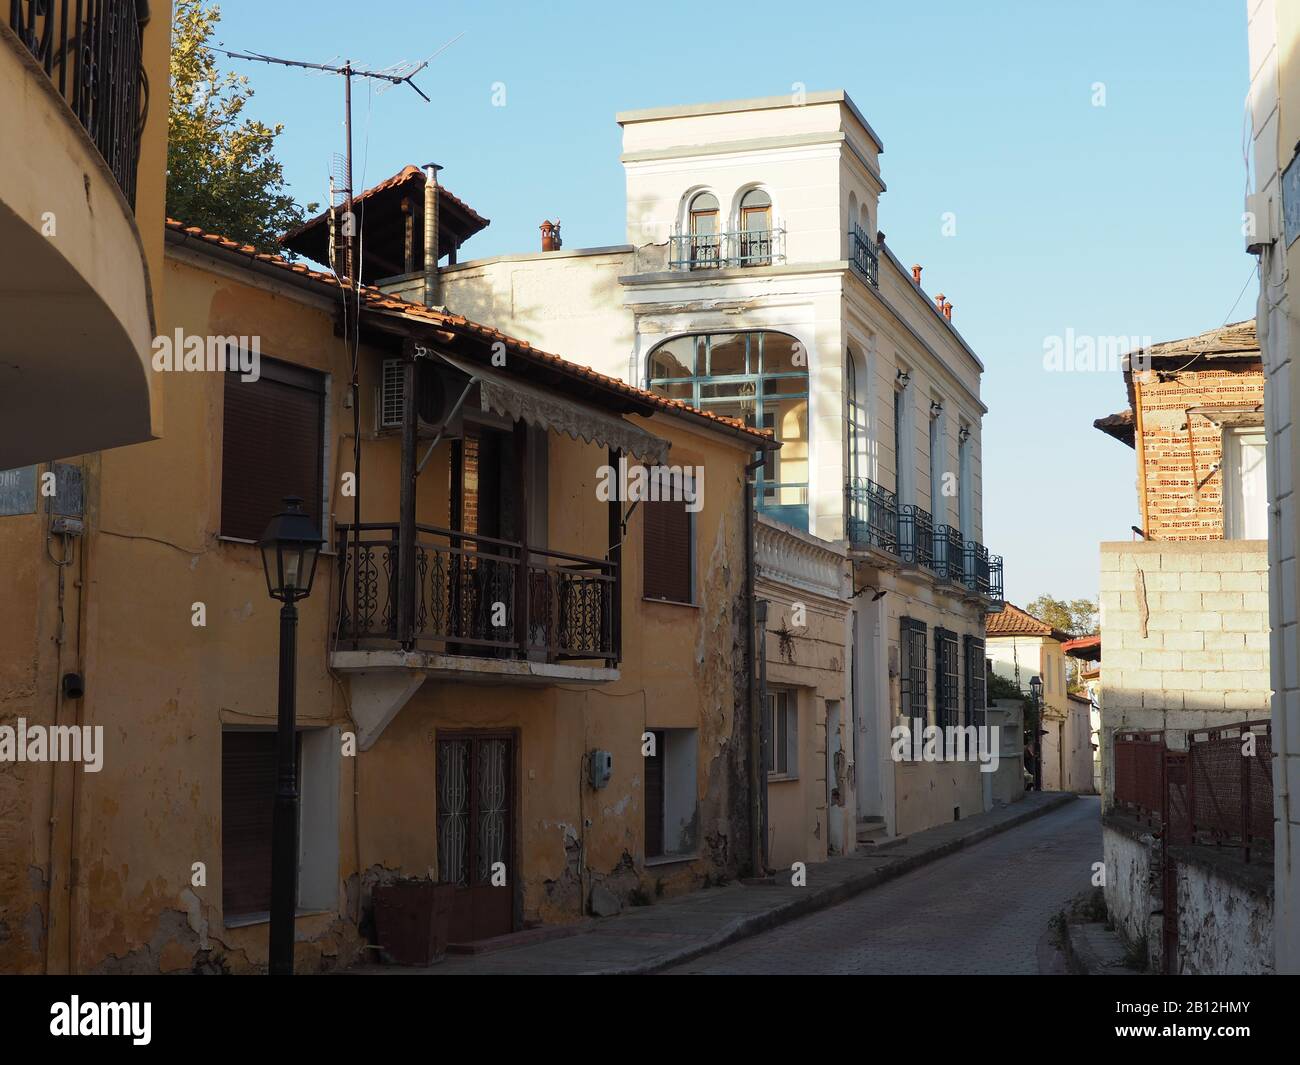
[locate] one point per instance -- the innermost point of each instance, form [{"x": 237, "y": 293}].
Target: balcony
[
  {"x": 74, "y": 281},
  {"x": 864, "y": 256},
  {"x": 872, "y": 513},
  {"x": 916, "y": 536},
  {"x": 713, "y": 251},
  {"x": 471, "y": 599},
  {"x": 91, "y": 54},
  {"x": 938, "y": 549}
]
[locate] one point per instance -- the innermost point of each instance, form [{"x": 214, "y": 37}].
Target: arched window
[
  {"x": 706, "y": 232},
  {"x": 756, "y": 228},
  {"x": 855, "y": 395},
  {"x": 759, "y": 378}
]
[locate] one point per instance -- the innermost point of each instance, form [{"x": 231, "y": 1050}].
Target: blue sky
[{"x": 1121, "y": 220}]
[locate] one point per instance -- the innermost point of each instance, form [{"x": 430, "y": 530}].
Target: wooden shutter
[
  {"x": 654, "y": 798},
  {"x": 667, "y": 551},
  {"x": 272, "y": 446},
  {"x": 247, "y": 804}
]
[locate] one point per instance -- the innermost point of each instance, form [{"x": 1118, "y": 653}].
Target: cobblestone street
[{"x": 983, "y": 910}]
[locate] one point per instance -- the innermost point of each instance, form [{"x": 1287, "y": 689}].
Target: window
[
  {"x": 755, "y": 228},
  {"x": 248, "y": 780},
  {"x": 273, "y": 445},
  {"x": 759, "y": 378},
  {"x": 912, "y": 694},
  {"x": 903, "y": 457},
  {"x": 668, "y": 558},
  {"x": 965, "y": 493},
  {"x": 783, "y": 733},
  {"x": 671, "y": 794},
  {"x": 1245, "y": 488},
  {"x": 706, "y": 234},
  {"x": 976, "y": 680},
  {"x": 937, "y": 506},
  {"x": 947, "y": 696},
  {"x": 855, "y": 392}
]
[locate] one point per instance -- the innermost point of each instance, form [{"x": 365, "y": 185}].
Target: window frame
[
  {"x": 782, "y": 702},
  {"x": 913, "y": 676}
]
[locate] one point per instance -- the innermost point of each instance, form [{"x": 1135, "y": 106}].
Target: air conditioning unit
[{"x": 437, "y": 388}]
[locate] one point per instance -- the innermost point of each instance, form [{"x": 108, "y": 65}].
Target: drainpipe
[
  {"x": 431, "y": 294},
  {"x": 757, "y": 828}
]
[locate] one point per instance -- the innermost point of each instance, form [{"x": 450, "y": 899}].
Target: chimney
[
  {"x": 431, "y": 293},
  {"x": 947, "y": 311},
  {"x": 916, "y": 273},
  {"x": 551, "y": 235},
  {"x": 939, "y": 301}
]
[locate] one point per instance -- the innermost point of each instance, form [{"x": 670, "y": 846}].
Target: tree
[
  {"x": 1078, "y": 617},
  {"x": 222, "y": 173}
]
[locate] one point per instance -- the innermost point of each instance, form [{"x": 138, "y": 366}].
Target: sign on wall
[{"x": 18, "y": 491}]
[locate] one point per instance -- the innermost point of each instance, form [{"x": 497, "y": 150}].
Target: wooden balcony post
[
  {"x": 613, "y": 623},
  {"x": 406, "y": 528},
  {"x": 523, "y": 578}
]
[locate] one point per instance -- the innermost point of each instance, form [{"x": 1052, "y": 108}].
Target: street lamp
[
  {"x": 290, "y": 547},
  {"x": 1036, "y": 687}
]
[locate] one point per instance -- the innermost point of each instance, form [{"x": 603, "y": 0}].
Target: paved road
[{"x": 982, "y": 910}]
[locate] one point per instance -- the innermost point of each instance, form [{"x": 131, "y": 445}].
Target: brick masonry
[{"x": 1181, "y": 452}]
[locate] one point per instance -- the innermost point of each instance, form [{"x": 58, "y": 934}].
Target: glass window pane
[
  {"x": 728, "y": 354},
  {"x": 676, "y": 358},
  {"x": 756, "y": 198},
  {"x": 778, "y": 354}
]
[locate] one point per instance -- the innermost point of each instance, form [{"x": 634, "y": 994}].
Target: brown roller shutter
[
  {"x": 667, "y": 551},
  {"x": 272, "y": 446},
  {"x": 247, "y": 803}
]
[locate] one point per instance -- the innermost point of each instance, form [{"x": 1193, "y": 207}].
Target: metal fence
[
  {"x": 90, "y": 51},
  {"x": 1219, "y": 792}
]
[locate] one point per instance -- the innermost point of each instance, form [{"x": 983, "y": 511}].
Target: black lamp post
[
  {"x": 1036, "y": 686},
  {"x": 290, "y": 547}
]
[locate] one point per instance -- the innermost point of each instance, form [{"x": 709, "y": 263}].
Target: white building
[{"x": 752, "y": 282}]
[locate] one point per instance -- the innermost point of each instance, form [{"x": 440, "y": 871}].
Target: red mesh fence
[
  {"x": 1139, "y": 772},
  {"x": 1230, "y": 785}
]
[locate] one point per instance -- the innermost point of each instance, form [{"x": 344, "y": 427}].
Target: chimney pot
[
  {"x": 947, "y": 311},
  {"x": 916, "y": 273},
  {"x": 938, "y": 302},
  {"x": 551, "y": 235}
]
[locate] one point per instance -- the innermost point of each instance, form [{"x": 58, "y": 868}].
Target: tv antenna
[{"x": 398, "y": 74}]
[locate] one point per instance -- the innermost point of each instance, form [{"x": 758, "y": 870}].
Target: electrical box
[{"x": 600, "y": 767}]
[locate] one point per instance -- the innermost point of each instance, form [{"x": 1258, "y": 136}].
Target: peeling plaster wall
[{"x": 1225, "y": 909}]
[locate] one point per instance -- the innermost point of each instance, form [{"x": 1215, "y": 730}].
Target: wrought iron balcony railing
[
  {"x": 872, "y": 515},
  {"x": 705, "y": 251},
  {"x": 949, "y": 554},
  {"x": 864, "y": 255},
  {"x": 984, "y": 574},
  {"x": 90, "y": 51},
  {"x": 477, "y": 596},
  {"x": 916, "y": 536}
]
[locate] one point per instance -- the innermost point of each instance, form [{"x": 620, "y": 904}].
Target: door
[
  {"x": 476, "y": 845},
  {"x": 1245, "y": 488},
  {"x": 834, "y": 777}
]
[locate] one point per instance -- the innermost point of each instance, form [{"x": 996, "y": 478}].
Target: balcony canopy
[{"x": 549, "y": 410}]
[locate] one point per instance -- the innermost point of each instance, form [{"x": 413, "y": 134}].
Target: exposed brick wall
[{"x": 1179, "y": 451}]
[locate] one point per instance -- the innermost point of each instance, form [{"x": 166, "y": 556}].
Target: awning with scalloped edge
[{"x": 521, "y": 401}]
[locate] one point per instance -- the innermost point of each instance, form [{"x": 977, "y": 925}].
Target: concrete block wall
[{"x": 1184, "y": 631}]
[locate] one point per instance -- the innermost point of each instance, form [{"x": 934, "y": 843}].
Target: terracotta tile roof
[
  {"x": 1086, "y": 647},
  {"x": 409, "y": 172},
  {"x": 384, "y": 303},
  {"x": 1012, "y": 621}
]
